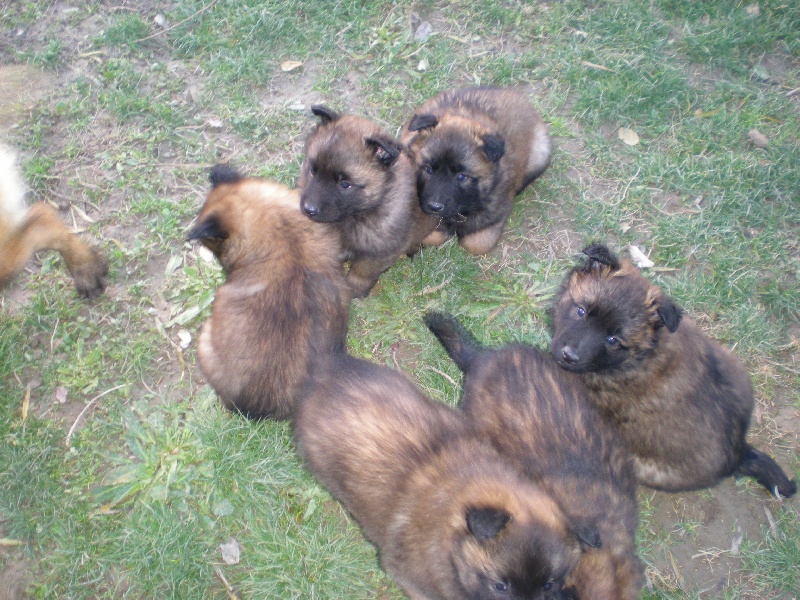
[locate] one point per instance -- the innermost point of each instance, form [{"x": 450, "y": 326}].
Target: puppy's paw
[{"x": 90, "y": 274}]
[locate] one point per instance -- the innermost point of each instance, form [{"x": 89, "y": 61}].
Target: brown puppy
[
  {"x": 26, "y": 231},
  {"x": 451, "y": 520},
  {"x": 284, "y": 305},
  {"x": 681, "y": 400},
  {"x": 356, "y": 175},
  {"x": 539, "y": 418},
  {"x": 475, "y": 149}
]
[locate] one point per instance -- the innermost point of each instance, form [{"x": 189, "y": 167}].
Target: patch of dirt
[{"x": 14, "y": 579}]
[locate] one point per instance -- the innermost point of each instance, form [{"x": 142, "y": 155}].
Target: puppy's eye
[
  {"x": 580, "y": 311},
  {"x": 548, "y": 586},
  {"x": 313, "y": 171},
  {"x": 500, "y": 586},
  {"x": 345, "y": 185},
  {"x": 461, "y": 178},
  {"x": 427, "y": 169},
  {"x": 612, "y": 341}
]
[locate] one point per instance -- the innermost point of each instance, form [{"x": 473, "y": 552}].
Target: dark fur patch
[
  {"x": 223, "y": 174},
  {"x": 210, "y": 228},
  {"x": 325, "y": 114}
]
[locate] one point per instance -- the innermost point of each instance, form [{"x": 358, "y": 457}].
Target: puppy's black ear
[
  {"x": 670, "y": 313},
  {"x": 486, "y": 523},
  {"x": 597, "y": 255},
  {"x": 325, "y": 114},
  {"x": 223, "y": 174},
  {"x": 386, "y": 150},
  {"x": 210, "y": 228},
  {"x": 494, "y": 147},
  {"x": 422, "y": 122},
  {"x": 587, "y": 534}
]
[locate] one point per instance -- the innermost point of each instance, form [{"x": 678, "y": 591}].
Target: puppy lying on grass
[{"x": 540, "y": 420}]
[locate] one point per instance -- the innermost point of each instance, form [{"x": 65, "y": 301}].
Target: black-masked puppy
[
  {"x": 474, "y": 150},
  {"x": 681, "y": 400},
  {"x": 357, "y": 176},
  {"x": 24, "y": 231},
  {"x": 284, "y": 305},
  {"x": 450, "y": 518},
  {"x": 540, "y": 420}
]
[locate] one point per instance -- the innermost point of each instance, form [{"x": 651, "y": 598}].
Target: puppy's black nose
[
  {"x": 568, "y": 354},
  {"x": 309, "y": 209},
  {"x": 435, "y": 207}
]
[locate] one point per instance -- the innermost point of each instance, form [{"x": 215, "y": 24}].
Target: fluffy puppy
[
  {"x": 357, "y": 176},
  {"x": 24, "y": 231},
  {"x": 474, "y": 150},
  {"x": 450, "y": 519},
  {"x": 539, "y": 418},
  {"x": 681, "y": 400},
  {"x": 284, "y": 305}
]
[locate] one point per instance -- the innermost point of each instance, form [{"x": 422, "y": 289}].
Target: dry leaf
[
  {"x": 60, "y": 394},
  {"x": 640, "y": 258},
  {"x": 288, "y": 66},
  {"x": 230, "y": 552},
  {"x": 758, "y": 139},
  {"x": 206, "y": 254},
  {"x": 424, "y": 31},
  {"x": 26, "y": 401},
  {"x": 214, "y": 124},
  {"x": 629, "y": 136},
  {"x": 736, "y": 543},
  {"x": 423, "y": 65},
  {"x": 753, "y": 10},
  {"x": 185, "y": 338},
  {"x": 160, "y": 20}
]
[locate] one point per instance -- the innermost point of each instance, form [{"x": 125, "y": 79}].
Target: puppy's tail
[
  {"x": 460, "y": 345},
  {"x": 766, "y": 471}
]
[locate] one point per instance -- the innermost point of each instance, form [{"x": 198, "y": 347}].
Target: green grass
[{"x": 156, "y": 475}]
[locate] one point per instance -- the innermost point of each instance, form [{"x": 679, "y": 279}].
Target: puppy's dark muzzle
[
  {"x": 433, "y": 208},
  {"x": 309, "y": 210}
]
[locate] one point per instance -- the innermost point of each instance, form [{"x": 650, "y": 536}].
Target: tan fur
[
  {"x": 284, "y": 305},
  {"x": 410, "y": 470},
  {"x": 680, "y": 399},
  {"x": 25, "y": 232},
  {"x": 463, "y": 118},
  {"x": 380, "y": 220}
]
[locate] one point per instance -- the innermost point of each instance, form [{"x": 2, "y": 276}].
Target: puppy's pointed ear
[
  {"x": 209, "y": 228},
  {"x": 325, "y": 114},
  {"x": 419, "y": 122},
  {"x": 494, "y": 147},
  {"x": 386, "y": 150},
  {"x": 669, "y": 313},
  {"x": 486, "y": 523},
  {"x": 599, "y": 256},
  {"x": 587, "y": 534},
  {"x": 223, "y": 174}
]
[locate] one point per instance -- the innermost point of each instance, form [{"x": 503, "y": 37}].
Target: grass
[{"x": 156, "y": 476}]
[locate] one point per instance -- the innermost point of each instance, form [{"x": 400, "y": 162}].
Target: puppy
[
  {"x": 357, "y": 176},
  {"x": 284, "y": 305},
  {"x": 26, "y": 231},
  {"x": 681, "y": 400},
  {"x": 450, "y": 519},
  {"x": 539, "y": 419},
  {"x": 475, "y": 149}
]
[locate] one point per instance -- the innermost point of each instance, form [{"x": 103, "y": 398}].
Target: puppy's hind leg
[
  {"x": 766, "y": 471},
  {"x": 41, "y": 229}
]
